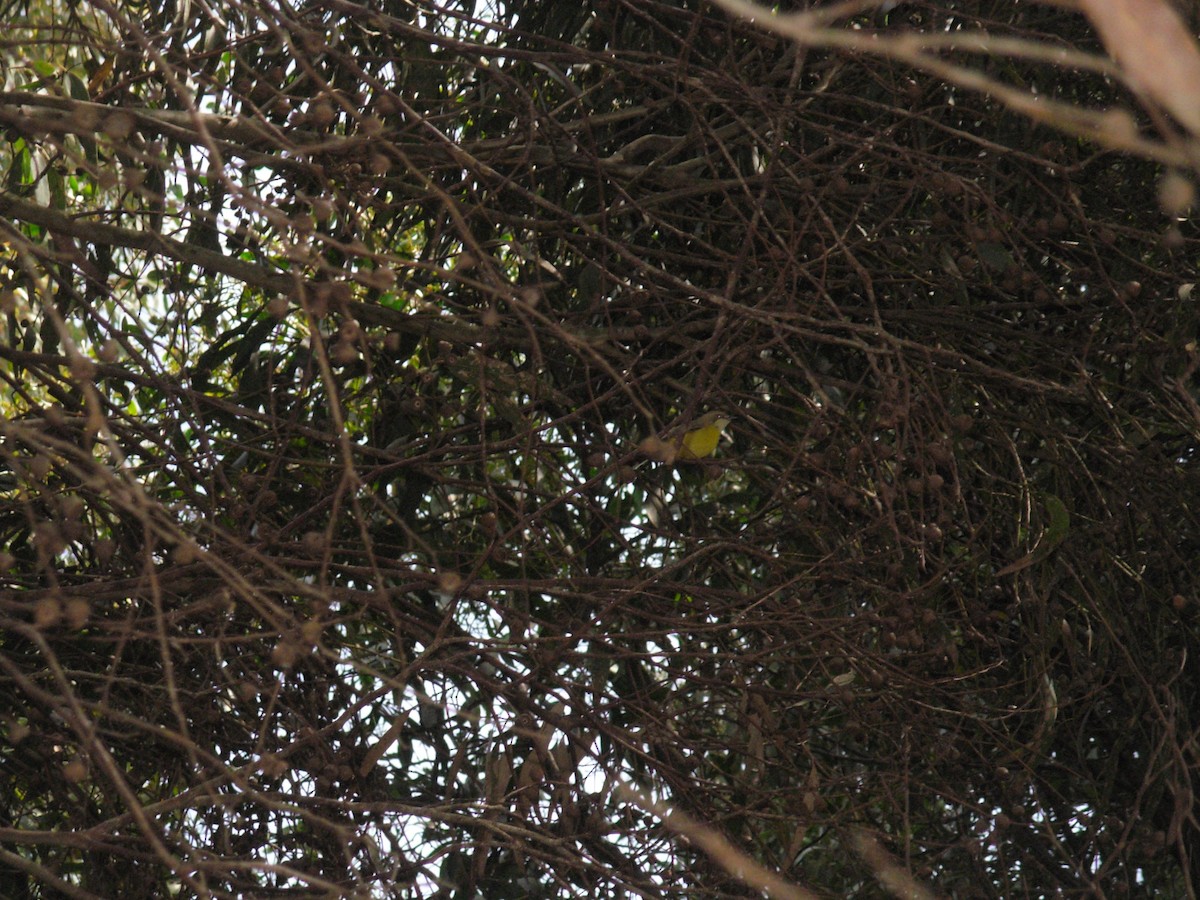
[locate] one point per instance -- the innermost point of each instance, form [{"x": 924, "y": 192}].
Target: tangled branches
[{"x": 328, "y": 557}]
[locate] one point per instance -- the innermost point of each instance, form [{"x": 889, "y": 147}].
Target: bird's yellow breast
[{"x": 702, "y": 442}]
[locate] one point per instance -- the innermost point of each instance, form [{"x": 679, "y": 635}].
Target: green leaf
[{"x": 1060, "y": 522}]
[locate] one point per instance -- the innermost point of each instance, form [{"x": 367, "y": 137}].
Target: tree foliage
[{"x": 332, "y": 555}]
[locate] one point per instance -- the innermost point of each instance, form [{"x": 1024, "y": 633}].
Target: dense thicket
[{"x": 332, "y": 559}]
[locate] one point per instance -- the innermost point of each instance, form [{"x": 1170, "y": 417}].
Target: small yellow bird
[
  {"x": 699, "y": 440},
  {"x": 688, "y": 443}
]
